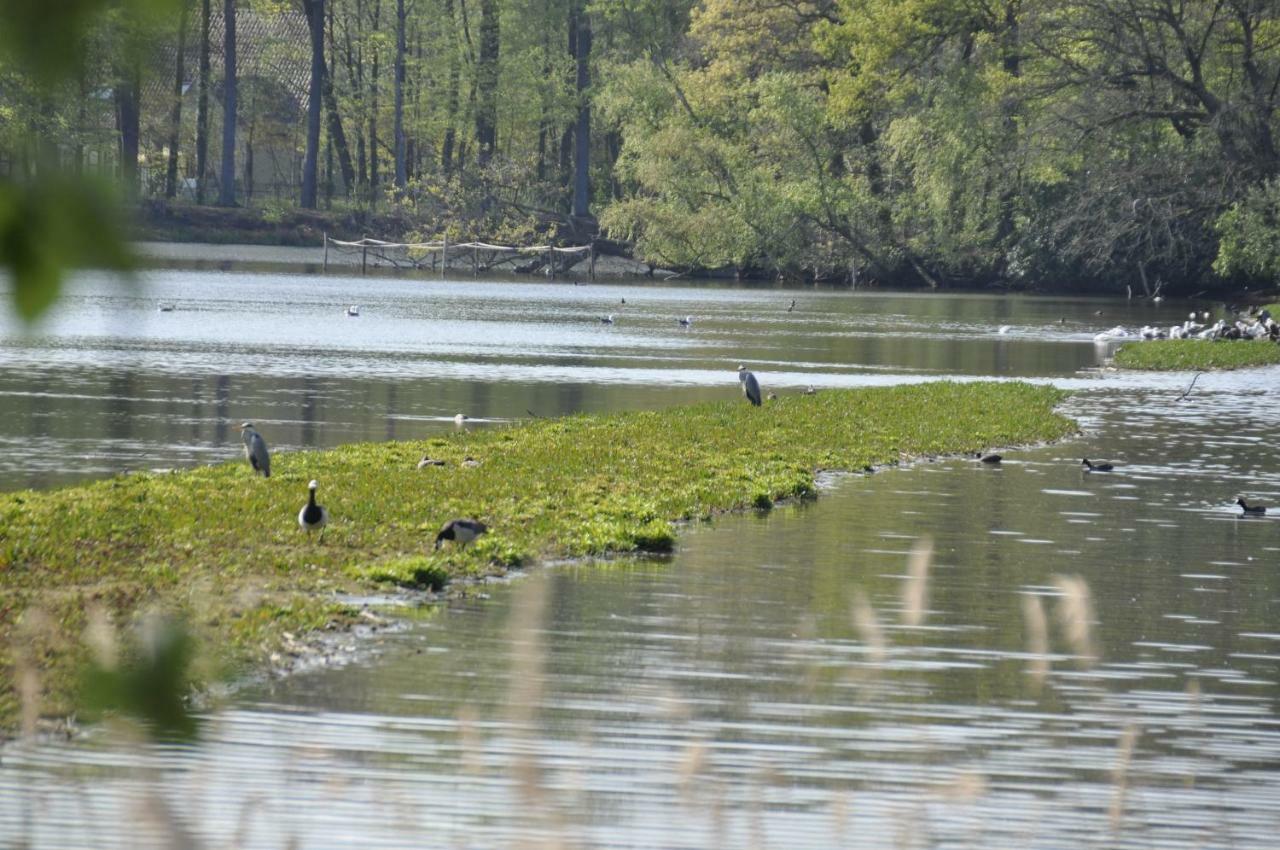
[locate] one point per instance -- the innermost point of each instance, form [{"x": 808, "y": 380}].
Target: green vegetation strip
[
  {"x": 221, "y": 547},
  {"x": 1196, "y": 354}
]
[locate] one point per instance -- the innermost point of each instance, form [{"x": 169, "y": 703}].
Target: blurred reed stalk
[
  {"x": 915, "y": 590},
  {"x": 1120, "y": 775},
  {"x": 1037, "y": 624},
  {"x": 1075, "y": 617},
  {"x": 868, "y": 627}
]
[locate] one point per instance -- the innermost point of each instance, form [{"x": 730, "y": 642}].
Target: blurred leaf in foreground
[
  {"x": 149, "y": 682},
  {"x": 52, "y": 224}
]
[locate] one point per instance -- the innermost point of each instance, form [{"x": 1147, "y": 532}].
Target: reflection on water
[
  {"x": 109, "y": 383},
  {"x": 730, "y": 696}
]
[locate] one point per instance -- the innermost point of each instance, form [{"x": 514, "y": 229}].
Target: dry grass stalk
[
  {"x": 100, "y": 637},
  {"x": 1037, "y": 638},
  {"x": 915, "y": 590},
  {"x": 1120, "y": 776},
  {"x": 1075, "y": 618},
  {"x": 868, "y": 627}
]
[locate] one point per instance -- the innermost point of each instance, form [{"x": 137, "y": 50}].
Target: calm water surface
[{"x": 729, "y": 695}]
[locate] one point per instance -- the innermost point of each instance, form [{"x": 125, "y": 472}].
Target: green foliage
[
  {"x": 221, "y": 547},
  {"x": 1197, "y": 354},
  {"x": 1249, "y": 234}
]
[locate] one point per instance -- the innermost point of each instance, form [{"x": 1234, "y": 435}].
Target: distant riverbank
[{"x": 314, "y": 259}]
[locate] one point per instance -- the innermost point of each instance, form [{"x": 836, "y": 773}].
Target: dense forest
[{"x": 1113, "y": 144}]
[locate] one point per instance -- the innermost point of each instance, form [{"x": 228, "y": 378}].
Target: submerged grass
[
  {"x": 1197, "y": 354},
  {"x": 221, "y": 548}
]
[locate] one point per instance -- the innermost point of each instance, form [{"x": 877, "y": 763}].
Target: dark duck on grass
[
  {"x": 255, "y": 449},
  {"x": 1090, "y": 466},
  {"x": 1250, "y": 510},
  {"x": 461, "y": 531},
  {"x": 313, "y": 517}
]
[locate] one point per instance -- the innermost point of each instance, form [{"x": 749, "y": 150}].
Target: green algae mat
[{"x": 220, "y": 547}]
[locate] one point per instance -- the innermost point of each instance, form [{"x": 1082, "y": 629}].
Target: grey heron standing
[
  {"x": 462, "y": 531},
  {"x": 750, "y": 386},
  {"x": 255, "y": 449},
  {"x": 313, "y": 516}
]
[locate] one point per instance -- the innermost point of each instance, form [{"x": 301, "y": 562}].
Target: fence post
[
  {"x": 364, "y": 253},
  {"x": 444, "y": 258},
  {"x": 591, "y": 253},
  {"x": 325, "y": 267},
  {"x": 475, "y": 262}
]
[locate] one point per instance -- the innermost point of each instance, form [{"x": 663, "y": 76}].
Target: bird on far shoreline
[
  {"x": 255, "y": 449},
  {"x": 1252, "y": 510},
  {"x": 313, "y": 516}
]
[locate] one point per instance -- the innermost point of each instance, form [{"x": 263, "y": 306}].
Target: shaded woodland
[{"x": 1099, "y": 144}]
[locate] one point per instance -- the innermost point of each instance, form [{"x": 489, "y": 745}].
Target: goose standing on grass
[
  {"x": 313, "y": 516},
  {"x": 750, "y": 386},
  {"x": 607, "y": 320},
  {"x": 1250, "y": 510},
  {"x": 461, "y": 531},
  {"x": 255, "y": 449},
  {"x": 1090, "y": 466},
  {"x": 686, "y": 321}
]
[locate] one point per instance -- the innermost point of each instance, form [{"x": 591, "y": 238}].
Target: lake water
[{"x": 770, "y": 684}]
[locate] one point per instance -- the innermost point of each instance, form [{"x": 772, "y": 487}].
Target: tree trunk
[
  {"x": 202, "y": 105},
  {"x": 402, "y": 177},
  {"x": 227, "y": 189},
  {"x": 128, "y": 92},
  {"x": 487, "y": 84},
  {"x": 373, "y": 108},
  {"x": 175, "y": 116},
  {"x": 311, "y": 159},
  {"x": 450, "y": 98},
  {"x": 337, "y": 137},
  {"x": 582, "y": 134}
]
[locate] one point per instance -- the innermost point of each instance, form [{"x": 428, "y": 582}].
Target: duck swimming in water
[
  {"x": 1090, "y": 466},
  {"x": 1251, "y": 510}
]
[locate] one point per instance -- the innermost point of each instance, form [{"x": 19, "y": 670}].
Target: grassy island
[
  {"x": 221, "y": 547},
  {"x": 1196, "y": 354}
]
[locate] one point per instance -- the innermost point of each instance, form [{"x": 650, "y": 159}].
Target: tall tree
[
  {"x": 175, "y": 113},
  {"x": 402, "y": 177},
  {"x": 202, "y": 105},
  {"x": 487, "y": 83},
  {"x": 582, "y": 132},
  {"x": 337, "y": 136},
  {"x": 227, "y": 187},
  {"x": 314, "y": 11},
  {"x": 451, "y": 91}
]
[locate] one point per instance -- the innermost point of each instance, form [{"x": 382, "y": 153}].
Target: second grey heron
[
  {"x": 313, "y": 516},
  {"x": 255, "y": 449},
  {"x": 750, "y": 386}
]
